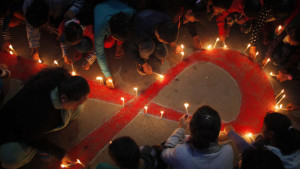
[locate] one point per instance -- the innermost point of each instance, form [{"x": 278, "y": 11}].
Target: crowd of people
[{"x": 144, "y": 29}]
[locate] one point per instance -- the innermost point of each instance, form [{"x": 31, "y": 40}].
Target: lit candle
[
  {"x": 216, "y": 42},
  {"x": 280, "y": 99},
  {"x": 146, "y": 108},
  {"x": 100, "y": 79},
  {"x": 136, "y": 91},
  {"x": 10, "y": 47},
  {"x": 282, "y": 91},
  {"x": 182, "y": 46},
  {"x": 182, "y": 53},
  {"x": 11, "y": 52},
  {"x": 73, "y": 73},
  {"x": 256, "y": 54},
  {"x": 247, "y": 47},
  {"x": 209, "y": 47},
  {"x": 80, "y": 163},
  {"x": 40, "y": 61},
  {"x": 66, "y": 165},
  {"x": 186, "y": 105},
  {"x": 271, "y": 74},
  {"x": 225, "y": 46},
  {"x": 159, "y": 75},
  {"x": 123, "y": 100},
  {"x": 266, "y": 63},
  {"x": 250, "y": 136},
  {"x": 55, "y": 62},
  {"x": 279, "y": 28},
  {"x": 161, "y": 114}
]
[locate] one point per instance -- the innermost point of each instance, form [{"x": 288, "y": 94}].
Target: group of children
[
  {"x": 24, "y": 130},
  {"x": 144, "y": 29}
]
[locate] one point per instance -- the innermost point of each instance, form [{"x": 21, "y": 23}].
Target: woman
[
  {"x": 47, "y": 103},
  {"x": 201, "y": 150},
  {"x": 278, "y": 136}
]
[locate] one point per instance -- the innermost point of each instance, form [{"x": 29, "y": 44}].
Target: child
[
  {"x": 82, "y": 38},
  {"x": 111, "y": 22},
  {"x": 38, "y": 13},
  {"x": 152, "y": 30}
]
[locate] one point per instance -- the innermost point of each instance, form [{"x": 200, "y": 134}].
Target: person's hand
[
  {"x": 184, "y": 121},
  {"x": 67, "y": 60},
  {"x": 178, "y": 49},
  {"x": 283, "y": 76},
  {"x": 5, "y": 46},
  {"x": 66, "y": 160},
  {"x": 228, "y": 129},
  {"x": 252, "y": 52},
  {"x": 197, "y": 43},
  {"x": 147, "y": 68},
  {"x": 69, "y": 15},
  {"x": 110, "y": 82},
  {"x": 35, "y": 54},
  {"x": 279, "y": 31}
]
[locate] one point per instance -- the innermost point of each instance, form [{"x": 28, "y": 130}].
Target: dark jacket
[
  {"x": 28, "y": 117},
  {"x": 143, "y": 29}
]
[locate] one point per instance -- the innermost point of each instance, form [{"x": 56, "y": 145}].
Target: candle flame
[
  {"x": 146, "y": 107},
  {"x": 256, "y": 53},
  {"x": 249, "y": 135},
  {"x": 209, "y": 47},
  {"x": 55, "y": 62},
  {"x": 161, "y": 76},
  {"x": 109, "y": 80},
  {"x": 182, "y": 46},
  {"x": 268, "y": 60},
  {"x": 225, "y": 46},
  {"x": 279, "y": 27},
  {"x": 135, "y": 88},
  {"x": 63, "y": 166},
  {"x": 11, "y": 52},
  {"x": 11, "y": 47},
  {"x": 110, "y": 142},
  {"x": 283, "y": 96},
  {"x": 217, "y": 39},
  {"x": 122, "y": 98},
  {"x": 249, "y": 45},
  {"x": 162, "y": 112},
  {"x": 73, "y": 73},
  {"x": 99, "y": 78},
  {"x": 182, "y": 53},
  {"x": 186, "y": 105},
  {"x": 271, "y": 74},
  {"x": 40, "y": 61}
]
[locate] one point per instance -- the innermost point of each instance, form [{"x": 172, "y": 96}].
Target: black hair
[
  {"x": 260, "y": 158},
  {"x": 282, "y": 8},
  {"x": 199, "y": 11},
  {"x": 205, "y": 126},
  {"x": 74, "y": 87},
  {"x": 225, "y": 4},
  {"x": 37, "y": 13},
  {"x": 125, "y": 152},
  {"x": 73, "y": 32},
  {"x": 167, "y": 31},
  {"x": 286, "y": 138},
  {"x": 294, "y": 32},
  {"x": 4, "y": 7},
  {"x": 119, "y": 25},
  {"x": 252, "y": 8}
]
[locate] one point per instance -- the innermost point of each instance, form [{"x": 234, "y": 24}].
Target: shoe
[{"x": 140, "y": 69}]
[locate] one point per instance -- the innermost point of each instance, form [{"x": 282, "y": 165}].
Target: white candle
[
  {"x": 161, "y": 114},
  {"x": 40, "y": 61},
  {"x": 282, "y": 91},
  {"x": 159, "y": 75},
  {"x": 216, "y": 42},
  {"x": 266, "y": 63},
  {"x": 186, "y": 105},
  {"x": 280, "y": 99},
  {"x": 182, "y": 46},
  {"x": 11, "y": 52},
  {"x": 136, "y": 91},
  {"x": 100, "y": 79},
  {"x": 271, "y": 74},
  {"x": 146, "y": 108},
  {"x": 55, "y": 62},
  {"x": 182, "y": 53},
  {"x": 80, "y": 163},
  {"x": 256, "y": 54},
  {"x": 123, "y": 100},
  {"x": 247, "y": 47},
  {"x": 279, "y": 28}
]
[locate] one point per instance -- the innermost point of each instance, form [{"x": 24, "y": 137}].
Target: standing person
[
  {"x": 73, "y": 34},
  {"x": 47, "y": 103},
  {"x": 39, "y": 12},
  {"x": 201, "y": 150},
  {"x": 111, "y": 25},
  {"x": 278, "y": 136},
  {"x": 151, "y": 32}
]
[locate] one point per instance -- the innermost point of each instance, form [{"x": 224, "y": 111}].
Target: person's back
[{"x": 202, "y": 150}]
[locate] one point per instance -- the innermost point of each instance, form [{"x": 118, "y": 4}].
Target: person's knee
[{"x": 146, "y": 48}]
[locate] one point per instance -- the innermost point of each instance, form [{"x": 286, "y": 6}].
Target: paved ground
[{"x": 202, "y": 83}]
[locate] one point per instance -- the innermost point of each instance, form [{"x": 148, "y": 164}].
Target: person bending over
[{"x": 47, "y": 103}]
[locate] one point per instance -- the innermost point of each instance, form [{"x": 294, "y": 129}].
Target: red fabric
[
  {"x": 236, "y": 6},
  {"x": 110, "y": 41},
  {"x": 295, "y": 12}
]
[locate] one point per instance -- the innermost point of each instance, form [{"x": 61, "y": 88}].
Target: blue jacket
[{"x": 103, "y": 12}]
